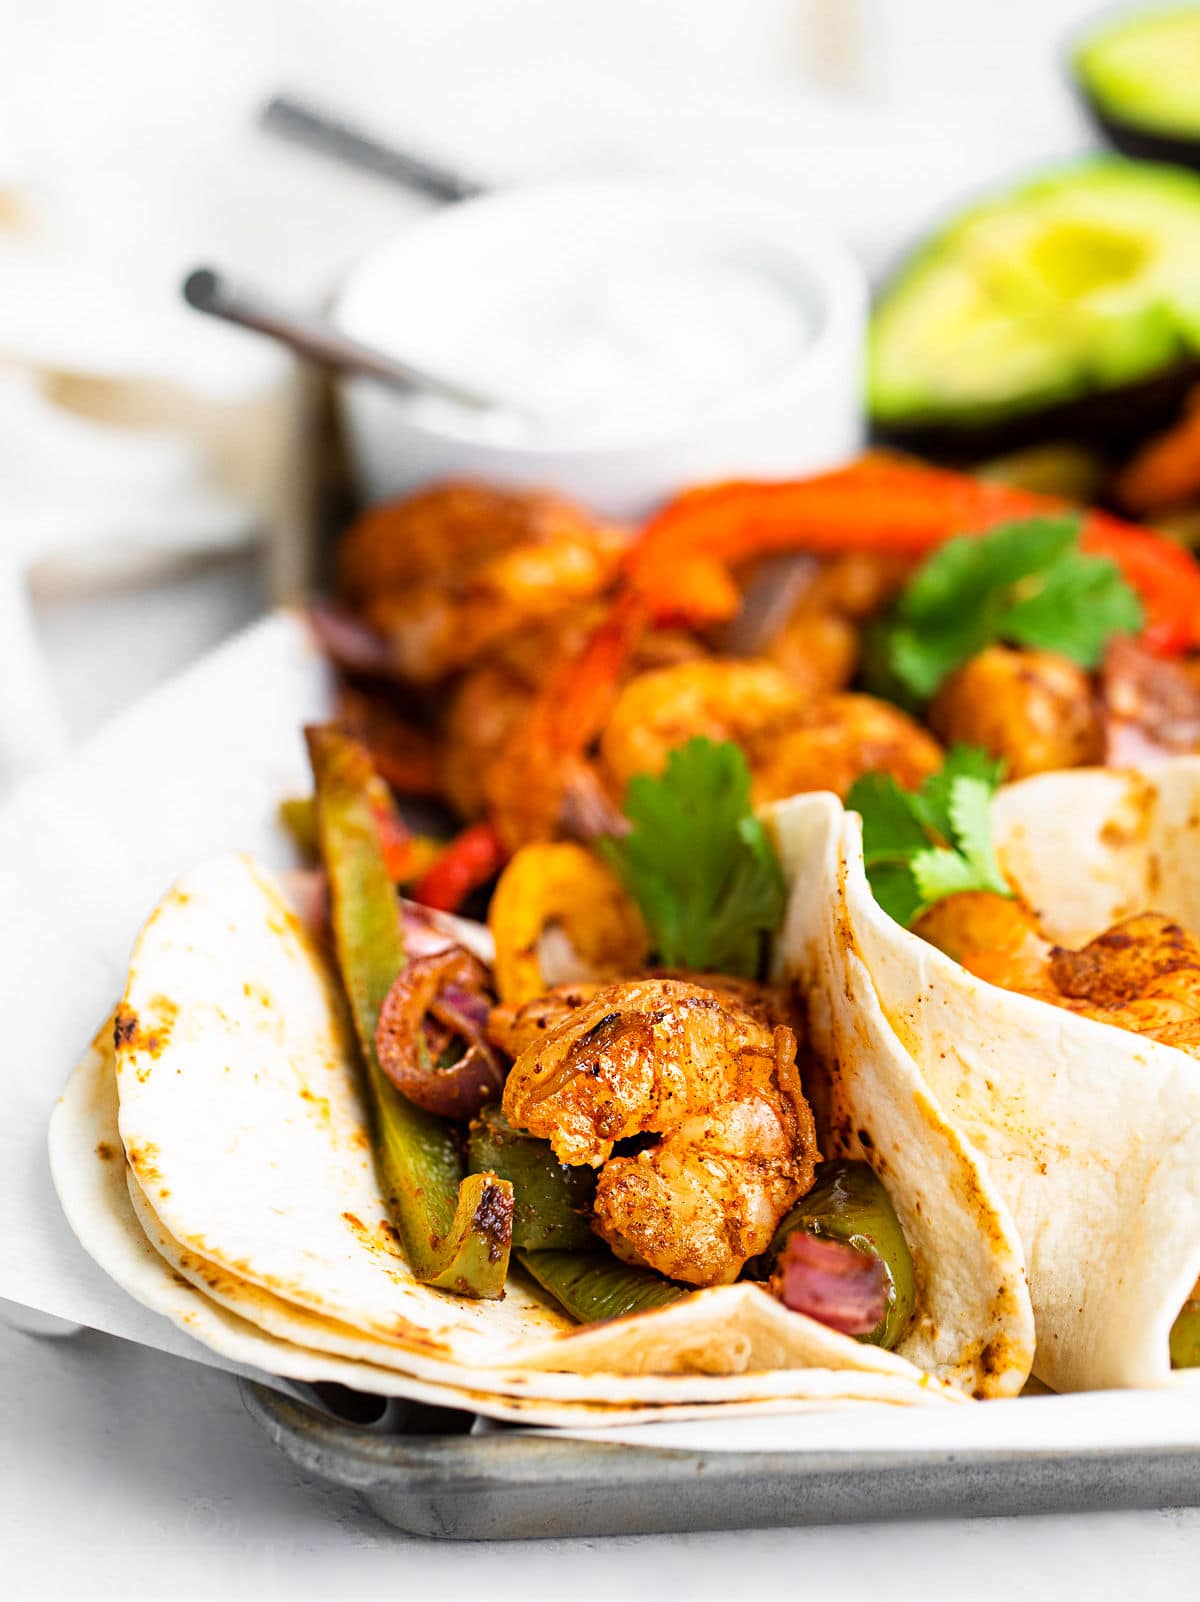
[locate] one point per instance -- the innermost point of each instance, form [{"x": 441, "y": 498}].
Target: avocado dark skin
[
  {"x": 1115, "y": 420},
  {"x": 1140, "y": 143}
]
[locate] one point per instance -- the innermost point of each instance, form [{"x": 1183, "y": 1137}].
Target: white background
[{"x": 129, "y": 1474}]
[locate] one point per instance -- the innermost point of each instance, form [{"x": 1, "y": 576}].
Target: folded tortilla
[
  {"x": 1090, "y": 1133},
  {"x": 243, "y": 1201},
  {"x": 974, "y": 1322}
]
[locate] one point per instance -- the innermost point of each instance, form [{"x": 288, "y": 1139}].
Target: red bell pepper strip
[
  {"x": 471, "y": 859},
  {"x": 681, "y": 564}
]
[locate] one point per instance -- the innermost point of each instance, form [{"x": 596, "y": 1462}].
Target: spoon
[
  {"x": 333, "y": 136},
  {"x": 318, "y": 340}
]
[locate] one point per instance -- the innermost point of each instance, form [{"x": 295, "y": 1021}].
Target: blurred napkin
[{"x": 86, "y": 850}]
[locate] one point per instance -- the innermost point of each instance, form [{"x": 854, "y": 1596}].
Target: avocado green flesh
[
  {"x": 1077, "y": 284},
  {"x": 1145, "y": 70}
]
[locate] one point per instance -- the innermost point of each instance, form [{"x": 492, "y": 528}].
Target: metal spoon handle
[
  {"x": 342, "y": 141},
  {"x": 316, "y": 339}
]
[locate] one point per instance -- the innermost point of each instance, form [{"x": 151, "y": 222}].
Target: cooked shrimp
[
  {"x": 707, "y": 1074},
  {"x": 480, "y": 751},
  {"x": 444, "y": 575},
  {"x": 820, "y": 642},
  {"x": 723, "y": 699},
  {"x": 792, "y": 742},
  {"x": 515, "y": 1026},
  {"x": 1034, "y": 709},
  {"x": 836, "y": 740},
  {"x": 1143, "y": 974},
  {"x": 561, "y": 893},
  {"x": 995, "y": 937},
  {"x": 817, "y": 651}
]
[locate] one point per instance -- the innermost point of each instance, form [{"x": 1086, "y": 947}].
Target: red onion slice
[
  {"x": 831, "y": 1282},
  {"x": 347, "y": 641},
  {"x": 446, "y": 986}
]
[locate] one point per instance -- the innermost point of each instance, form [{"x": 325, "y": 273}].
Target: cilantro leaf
[
  {"x": 932, "y": 803},
  {"x": 698, "y": 862},
  {"x": 970, "y": 808},
  {"x": 919, "y": 847},
  {"x": 1025, "y": 583},
  {"x": 938, "y": 872},
  {"x": 1079, "y": 606},
  {"x": 895, "y": 889},
  {"x": 892, "y": 830}
]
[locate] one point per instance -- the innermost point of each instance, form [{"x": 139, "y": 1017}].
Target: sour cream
[
  {"x": 643, "y": 348},
  {"x": 639, "y": 334}
]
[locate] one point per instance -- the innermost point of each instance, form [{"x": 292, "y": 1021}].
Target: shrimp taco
[
  {"x": 1048, "y": 992},
  {"x": 572, "y": 1167}
]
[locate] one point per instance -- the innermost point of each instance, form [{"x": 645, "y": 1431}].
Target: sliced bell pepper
[
  {"x": 1185, "y": 1336},
  {"x": 553, "y": 1201},
  {"x": 470, "y": 860},
  {"x": 406, "y": 855},
  {"x": 456, "y": 1232},
  {"x": 1165, "y": 473},
  {"x": 681, "y": 564},
  {"x": 594, "y": 1286},
  {"x": 848, "y": 1203}
]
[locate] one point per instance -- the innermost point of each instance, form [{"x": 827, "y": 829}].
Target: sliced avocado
[
  {"x": 1140, "y": 78},
  {"x": 1071, "y": 292}
]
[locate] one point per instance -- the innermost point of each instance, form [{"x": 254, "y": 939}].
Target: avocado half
[
  {"x": 1139, "y": 77},
  {"x": 1066, "y": 308}
]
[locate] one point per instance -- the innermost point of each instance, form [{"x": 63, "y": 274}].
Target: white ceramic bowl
[{"x": 469, "y": 261}]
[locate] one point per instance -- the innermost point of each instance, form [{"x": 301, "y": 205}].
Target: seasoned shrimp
[
  {"x": 445, "y": 575},
  {"x": 792, "y": 742},
  {"x": 480, "y": 748},
  {"x": 561, "y": 894},
  {"x": 835, "y": 740},
  {"x": 1034, "y": 709},
  {"x": 1143, "y": 974},
  {"x": 995, "y": 937},
  {"x": 723, "y": 699},
  {"x": 819, "y": 643},
  {"x": 514, "y": 1026},
  {"x": 713, "y": 1079}
]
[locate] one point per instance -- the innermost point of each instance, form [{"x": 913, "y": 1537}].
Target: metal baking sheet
[{"x": 422, "y": 1471}]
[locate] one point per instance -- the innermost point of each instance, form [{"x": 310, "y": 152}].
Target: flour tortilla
[
  {"x": 1090, "y": 1133},
  {"x": 243, "y": 1125},
  {"x": 974, "y": 1322},
  {"x": 92, "y": 1181}
]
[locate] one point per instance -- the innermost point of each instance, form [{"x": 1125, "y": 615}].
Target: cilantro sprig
[
  {"x": 921, "y": 846},
  {"x": 1025, "y": 583},
  {"x": 698, "y": 862}
]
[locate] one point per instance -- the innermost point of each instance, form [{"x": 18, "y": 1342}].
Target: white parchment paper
[{"x": 85, "y": 852}]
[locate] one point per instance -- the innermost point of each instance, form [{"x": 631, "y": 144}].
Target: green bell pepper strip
[
  {"x": 456, "y": 1232},
  {"x": 1185, "y": 1336},
  {"x": 551, "y": 1201},
  {"x": 595, "y": 1286},
  {"x": 849, "y": 1204},
  {"x": 298, "y": 815}
]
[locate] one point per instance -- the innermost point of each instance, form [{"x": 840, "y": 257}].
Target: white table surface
[{"x": 125, "y": 1473}]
